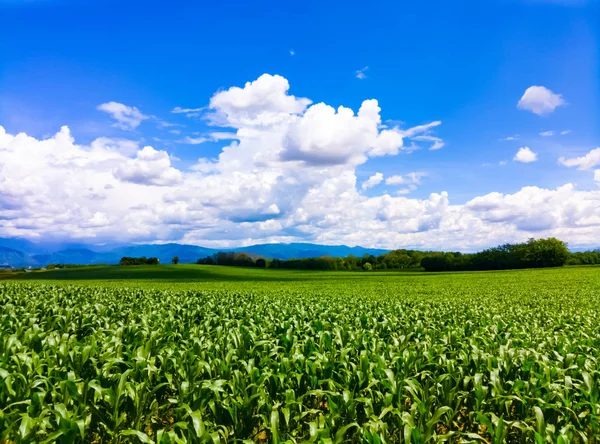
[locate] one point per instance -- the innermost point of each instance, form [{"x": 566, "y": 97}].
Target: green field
[
  {"x": 216, "y": 354},
  {"x": 193, "y": 273}
]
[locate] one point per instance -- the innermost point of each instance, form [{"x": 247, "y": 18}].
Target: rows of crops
[{"x": 496, "y": 357}]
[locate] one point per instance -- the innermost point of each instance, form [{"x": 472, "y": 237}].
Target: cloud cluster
[{"x": 288, "y": 173}]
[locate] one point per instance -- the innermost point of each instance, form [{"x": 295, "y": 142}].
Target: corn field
[{"x": 473, "y": 357}]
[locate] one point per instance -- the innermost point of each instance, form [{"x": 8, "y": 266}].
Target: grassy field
[
  {"x": 189, "y": 273},
  {"x": 193, "y": 353}
]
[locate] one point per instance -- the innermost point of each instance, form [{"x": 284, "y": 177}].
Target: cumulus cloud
[
  {"x": 286, "y": 176},
  {"x": 127, "y": 117},
  {"x": 264, "y": 101},
  {"x": 540, "y": 100},
  {"x": 525, "y": 155},
  {"x": 375, "y": 179},
  {"x": 587, "y": 162},
  {"x": 150, "y": 167}
]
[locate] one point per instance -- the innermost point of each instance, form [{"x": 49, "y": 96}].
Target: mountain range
[{"x": 22, "y": 253}]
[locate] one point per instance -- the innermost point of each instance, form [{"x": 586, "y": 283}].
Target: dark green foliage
[
  {"x": 538, "y": 253},
  {"x": 228, "y": 258},
  {"x": 534, "y": 253},
  {"x": 584, "y": 258},
  {"x": 261, "y": 262},
  {"x": 139, "y": 261}
]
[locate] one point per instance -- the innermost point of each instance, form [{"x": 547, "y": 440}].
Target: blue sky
[{"x": 466, "y": 65}]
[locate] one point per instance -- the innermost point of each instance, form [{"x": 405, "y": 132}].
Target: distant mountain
[
  {"x": 16, "y": 258},
  {"x": 165, "y": 252},
  {"x": 19, "y": 252},
  {"x": 18, "y": 244},
  {"x": 302, "y": 250},
  {"x": 76, "y": 256}
]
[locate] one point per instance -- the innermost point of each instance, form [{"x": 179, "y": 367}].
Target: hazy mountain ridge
[{"x": 40, "y": 255}]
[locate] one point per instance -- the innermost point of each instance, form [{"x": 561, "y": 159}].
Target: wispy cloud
[
  {"x": 411, "y": 180},
  {"x": 194, "y": 140},
  {"x": 360, "y": 74},
  {"x": 437, "y": 142},
  {"x": 189, "y": 112},
  {"x": 163, "y": 124},
  {"x": 292, "y": 52},
  {"x": 547, "y": 133},
  {"x": 222, "y": 135},
  {"x": 127, "y": 117},
  {"x": 509, "y": 138},
  {"x": 565, "y": 132}
]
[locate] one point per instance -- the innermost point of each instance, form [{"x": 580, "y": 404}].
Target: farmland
[{"x": 196, "y": 354}]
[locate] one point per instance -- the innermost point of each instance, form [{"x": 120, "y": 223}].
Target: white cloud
[
  {"x": 408, "y": 179},
  {"x": 127, "y": 117},
  {"x": 437, "y": 142},
  {"x": 414, "y": 131},
  {"x": 565, "y": 132},
  {"x": 123, "y": 146},
  {"x": 292, "y": 52},
  {"x": 540, "y": 100},
  {"x": 179, "y": 110},
  {"x": 525, "y": 155},
  {"x": 163, "y": 124},
  {"x": 502, "y": 163},
  {"x": 176, "y": 132},
  {"x": 597, "y": 176},
  {"x": 587, "y": 162},
  {"x": 150, "y": 167},
  {"x": 375, "y": 179},
  {"x": 220, "y": 135},
  {"x": 254, "y": 192},
  {"x": 194, "y": 140},
  {"x": 360, "y": 73},
  {"x": 263, "y": 102},
  {"x": 547, "y": 133},
  {"x": 509, "y": 138}
]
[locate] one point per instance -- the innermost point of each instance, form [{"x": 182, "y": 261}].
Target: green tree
[
  {"x": 261, "y": 263},
  {"x": 175, "y": 260},
  {"x": 367, "y": 266}
]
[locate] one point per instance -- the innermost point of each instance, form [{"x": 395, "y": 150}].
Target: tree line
[
  {"x": 126, "y": 260},
  {"x": 535, "y": 253}
]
